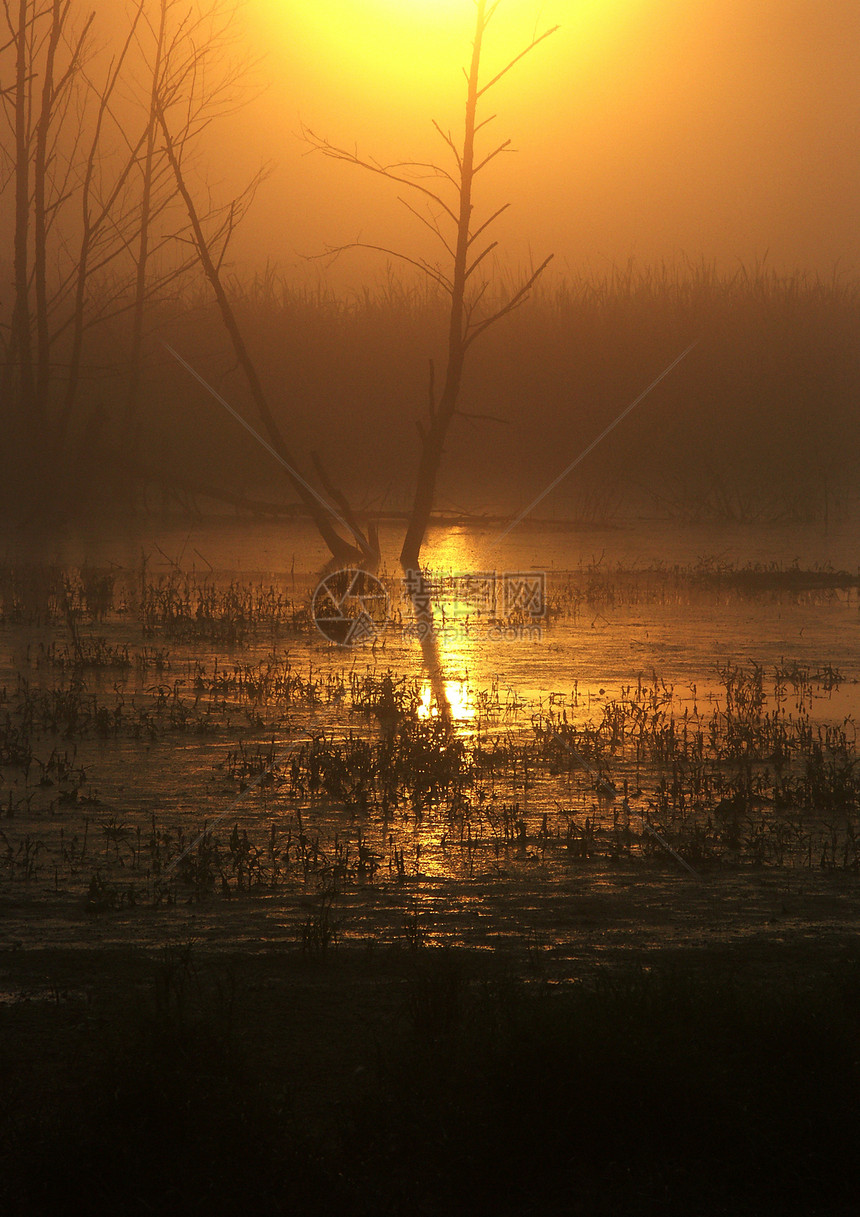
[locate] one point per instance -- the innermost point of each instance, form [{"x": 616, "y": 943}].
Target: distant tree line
[{"x": 757, "y": 424}]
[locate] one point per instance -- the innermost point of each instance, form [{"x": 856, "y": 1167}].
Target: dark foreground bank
[{"x": 428, "y": 1082}]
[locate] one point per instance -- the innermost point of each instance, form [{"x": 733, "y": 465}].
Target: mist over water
[
  {"x": 283, "y": 549},
  {"x": 526, "y": 882}
]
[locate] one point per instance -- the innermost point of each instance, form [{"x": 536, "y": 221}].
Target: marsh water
[{"x": 657, "y": 751}]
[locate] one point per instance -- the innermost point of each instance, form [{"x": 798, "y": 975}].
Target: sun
[
  {"x": 374, "y": 45},
  {"x": 429, "y": 10},
  {"x": 396, "y": 52},
  {"x": 397, "y": 59}
]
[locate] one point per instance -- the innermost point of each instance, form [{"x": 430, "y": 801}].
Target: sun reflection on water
[
  {"x": 460, "y": 699},
  {"x": 452, "y": 555}
]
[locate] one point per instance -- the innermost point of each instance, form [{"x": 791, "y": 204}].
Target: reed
[{"x": 726, "y": 438}]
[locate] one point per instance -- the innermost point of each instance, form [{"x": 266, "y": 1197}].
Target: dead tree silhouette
[{"x": 454, "y": 226}]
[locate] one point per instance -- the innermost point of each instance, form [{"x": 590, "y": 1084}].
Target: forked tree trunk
[{"x": 464, "y": 325}]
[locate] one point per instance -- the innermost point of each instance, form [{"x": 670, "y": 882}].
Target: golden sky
[{"x": 657, "y": 129}]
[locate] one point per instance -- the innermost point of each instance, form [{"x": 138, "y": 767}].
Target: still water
[
  {"x": 229, "y": 544},
  {"x": 545, "y": 855}
]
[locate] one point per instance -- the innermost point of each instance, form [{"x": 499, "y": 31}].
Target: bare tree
[
  {"x": 90, "y": 182},
  {"x": 190, "y": 79},
  {"x": 363, "y": 549},
  {"x": 210, "y": 232},
  {"x": 466, "y": 246},
  {"x": 461, "y": 276}
]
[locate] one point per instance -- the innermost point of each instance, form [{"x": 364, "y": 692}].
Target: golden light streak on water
[
  {"x": 460, "y": 699},
  {"x": 451, "y": 559}
]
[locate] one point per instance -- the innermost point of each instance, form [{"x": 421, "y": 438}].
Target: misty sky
[{"x": 658, "y": 129}]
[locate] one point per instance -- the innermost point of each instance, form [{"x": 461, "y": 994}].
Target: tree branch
[
  {"x": 433, "y": 226},
  {"x": 352, "y": 158},
  {"x": 515, "y": 300},
  {"x": 431, "y": 272},
  {"x": 474, "y": 265},
  {"x": 516, "y": 59},
  {"x": 487, "y": 223},
  {"x": 449, "y": 140},
  {"x": 501, "y": 148}
]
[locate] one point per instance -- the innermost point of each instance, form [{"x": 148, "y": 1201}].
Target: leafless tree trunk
[
  {"x": 94, "y": 220},
  {"x": 461, "y": 329},
  {"x": 58, "y": 15},
  {"x": 465, "y": 321},
  {"x": 362, "y": 550},
  {"x": 178, "y": 59},
  {"x": 145, "y": 220}
]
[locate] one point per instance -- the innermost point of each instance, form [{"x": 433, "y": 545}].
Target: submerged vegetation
[
  {"x": 322, "y": 949},
  {"x": 291, "y": 768}
]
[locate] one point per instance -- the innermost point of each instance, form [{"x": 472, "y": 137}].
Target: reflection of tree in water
[
  {"x": 462, "y": 276},
  {"x": 421, "y": 595}
]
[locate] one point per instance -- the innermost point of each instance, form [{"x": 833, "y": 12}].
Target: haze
[
  {"x": 694, "y": 135},
  {"x": 685, "y": 129}
]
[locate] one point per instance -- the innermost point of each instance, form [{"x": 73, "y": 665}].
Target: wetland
[{"x": 248, "y": 863}]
